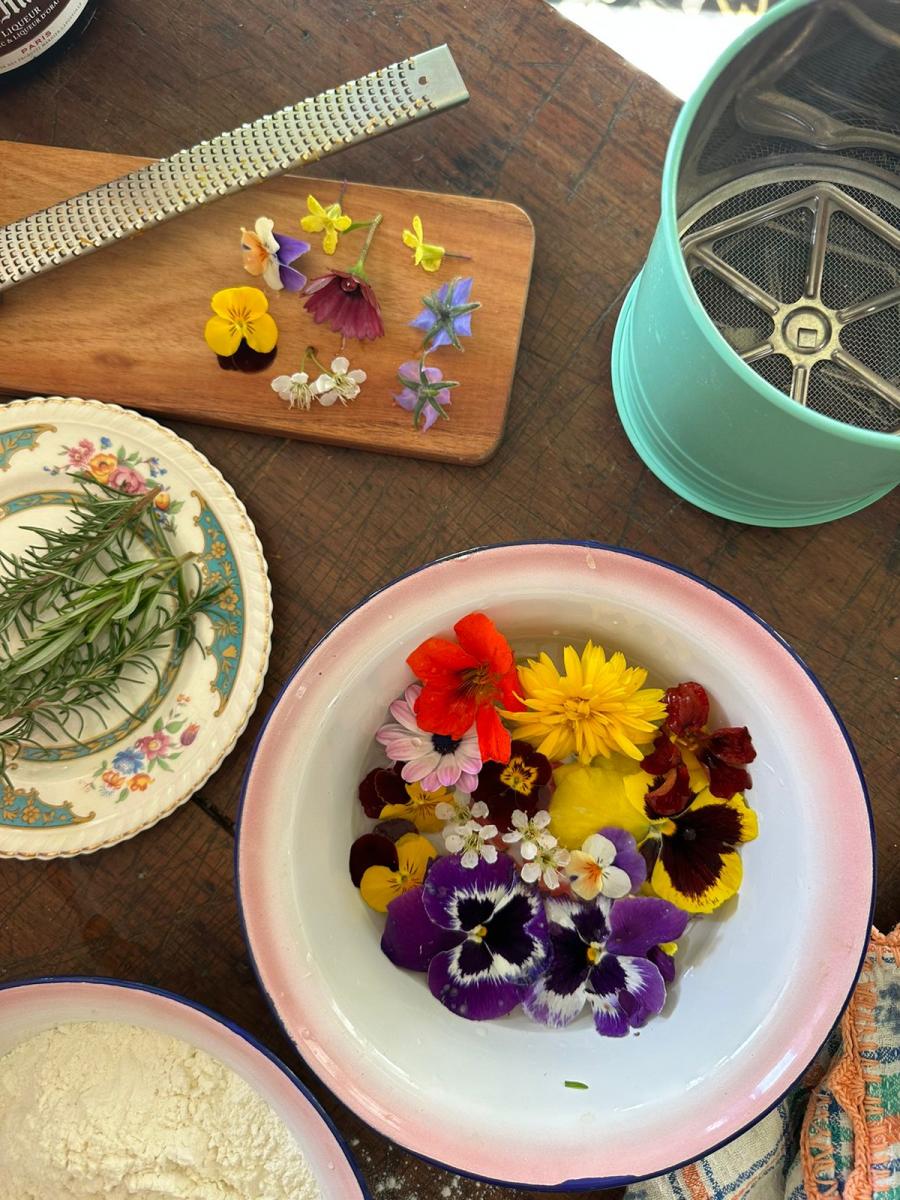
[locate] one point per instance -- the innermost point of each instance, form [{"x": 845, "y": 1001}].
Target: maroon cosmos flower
[
  {"x": 345, "y": 301},
  {"x": 346, "y": 304}
]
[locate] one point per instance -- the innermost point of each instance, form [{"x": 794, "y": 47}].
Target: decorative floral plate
[{"x": 78, "y": 796}]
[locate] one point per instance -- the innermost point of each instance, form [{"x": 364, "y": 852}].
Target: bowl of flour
[{"x": 116, "y": 1090}]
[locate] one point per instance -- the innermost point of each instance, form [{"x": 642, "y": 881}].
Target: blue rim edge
[
  {"x": 575, "y": 1185},
  {"x": 220, "y": 1020}
]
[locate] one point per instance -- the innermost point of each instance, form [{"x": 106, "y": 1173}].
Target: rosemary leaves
[{"x": 88, "y": 611}]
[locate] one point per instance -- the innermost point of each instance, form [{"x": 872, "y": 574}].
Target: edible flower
[
  {"x": 464, "y": 681},
  {"x": 339, "y": 383},
  {"x": 436, "y": 760},
  {"x": 241, "y": 315},
  {"x": 425, "y": 393},
  {"x": 382, "y": 786},
  {"x": 548, "y": 866},
  {"x": 447, "y": 315},
  {"x": 296, "y": 389},
  {"x": 330, "y": 221},
  {"x": 382, "y": 883},
  {"x": 517, "y": 784},
  {"x": 472, "y": 841},
  {"x": 598, "y": 958},
  {"x": 696, "y": 865},
  {"x": 586, "y": 799},
  {"x": 345, "y": 301},
  {"x": 420, "y": 807},
  {"x": 270, "y": 255},
  {"x": 529, "y": 834},
  {"x": 501, "y": 933},
  {"x": 457, "y": 810},
  {"x": 608, "y": 864},
  {"x": 683, "y": 742},
  {"x": 596, "y": 707},
  {"x": 425, "y": 255}
]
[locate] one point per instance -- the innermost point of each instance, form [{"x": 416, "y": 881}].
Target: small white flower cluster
[
  {"x": 465, "y": 833},
  {"x": 542, "y": 856},
  {"x": 340, "y": 383}
]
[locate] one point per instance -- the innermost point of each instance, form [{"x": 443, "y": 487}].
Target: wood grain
[
  {"x": 131, "y": 316},
  {"x": 560, "y": 125}
]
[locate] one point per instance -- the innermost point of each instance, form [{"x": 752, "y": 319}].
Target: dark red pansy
[
  {"x": 371, "y": 850},
  {"x": 671, "y": 793},
  {"x": 517, "y": 784},
  {"x": 382, "y": 786},
  {"x": 395, "y": 828},
  {"x": 687, "y": 706},
  {"x": 723, "y": 752}
]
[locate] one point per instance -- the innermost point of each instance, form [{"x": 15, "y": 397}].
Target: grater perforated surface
[{"x": 295, "y": 136}]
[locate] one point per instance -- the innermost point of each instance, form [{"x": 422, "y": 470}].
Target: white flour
[{"x": 124, "y": 1113}]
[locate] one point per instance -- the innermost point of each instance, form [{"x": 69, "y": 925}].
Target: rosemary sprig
[{"x": 84, "y": 615}]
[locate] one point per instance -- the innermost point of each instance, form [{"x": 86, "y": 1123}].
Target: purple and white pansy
[
  {"x": 499, "y": 931},
  {"x": 598, "y": 958},
  {"x": 431, "y": 759}
]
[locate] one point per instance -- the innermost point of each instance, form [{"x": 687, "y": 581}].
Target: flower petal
[
  {"x": 493, "y": 737},
  {"x": 639, "y": 922},
  {"x": 379, "y": 886},
  {"x": 411, "y": 939},
  {"x": 687, "y": 706},
  {"x": 262, "y": 333},
  {"x": 480, "y": 1000},
  {"x": 221, "y": 336},
  {"x": 370, "y": 850},
  {"x": 449, "y": 885}
]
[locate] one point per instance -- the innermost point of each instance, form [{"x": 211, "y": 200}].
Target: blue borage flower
[
  {"x": 599, "y": 957},
  {"x": 498, "y": 929},
  {"x": 447, "y": 315}
]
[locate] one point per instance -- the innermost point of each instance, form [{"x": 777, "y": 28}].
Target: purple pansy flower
[
  {"x": 447, "y": 314},
  {"x": 598, "y": 958},
  {"x": 494, "y": 941},
  {"x": 425, "y": 393}
]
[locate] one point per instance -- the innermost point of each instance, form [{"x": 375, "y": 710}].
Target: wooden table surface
[{"x": 558, "y": 124}]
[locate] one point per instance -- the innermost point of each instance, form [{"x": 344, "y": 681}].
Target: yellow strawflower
[{"x": 599, "y": 706}]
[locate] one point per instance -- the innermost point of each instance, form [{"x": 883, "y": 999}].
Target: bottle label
[{"x": 29, "y": 27}]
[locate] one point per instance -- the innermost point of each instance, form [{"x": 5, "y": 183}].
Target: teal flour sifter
[{"x": 756, "y": 362}]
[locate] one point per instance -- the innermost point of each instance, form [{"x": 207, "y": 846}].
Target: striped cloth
[{"x": 838, "y": 1133}]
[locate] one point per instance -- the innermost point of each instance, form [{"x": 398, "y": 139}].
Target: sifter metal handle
[{"x": 299, "y": 134}]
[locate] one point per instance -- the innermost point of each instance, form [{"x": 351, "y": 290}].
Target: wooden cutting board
[{"x": 126, "y": 324}]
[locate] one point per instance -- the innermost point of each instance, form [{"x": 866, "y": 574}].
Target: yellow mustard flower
[
  {"x": 380, "y": 885},
  {"x": 330, "y": 221},
  {"x": 599, "y": 706},
  {"x": 425, "y": 255},
  {"x": 586, "y": 799},
  {"x": 419, "y": 808},
  {"x": 242, "y": 314}
]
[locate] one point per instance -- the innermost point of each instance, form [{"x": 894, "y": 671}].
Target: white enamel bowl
[
  {"x": 27, "y": 1009},
  {"x": 760, "y": 984}
]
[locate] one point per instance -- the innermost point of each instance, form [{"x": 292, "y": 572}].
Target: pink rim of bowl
[
  {"x": 30, "y": 1006},
  {"x": 792, "y": 969}
]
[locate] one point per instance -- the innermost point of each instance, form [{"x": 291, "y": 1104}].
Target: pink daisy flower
[{"x": 431, "y": 759}]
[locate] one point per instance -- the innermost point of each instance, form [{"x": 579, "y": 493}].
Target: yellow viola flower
[
  {"x": 597, "y": 707},
  {"x": 380, "y": 885},
  {"x": 242, "y": 314},
  {"x": 330, "y": 221},
  {"x": 425, "y": 255},
  {"x": 589, "y": 798},
  {"x": 698, "y": 866},
  {"x": 419, "y": 808}
]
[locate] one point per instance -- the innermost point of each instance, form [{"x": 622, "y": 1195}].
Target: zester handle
[{"x": 294, "y": 136}]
